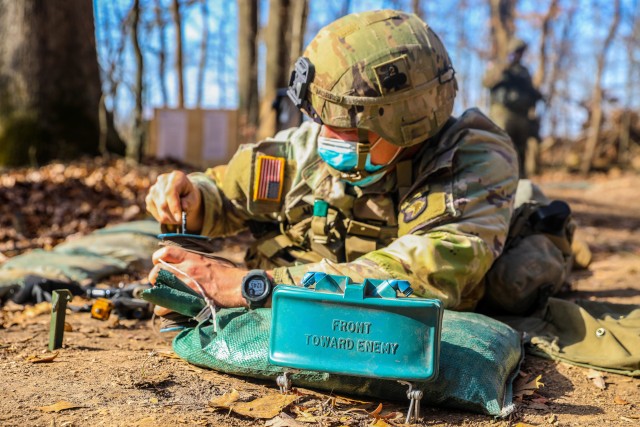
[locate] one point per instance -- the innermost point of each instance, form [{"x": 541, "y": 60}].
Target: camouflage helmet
[{"x": 385, "y": 71}]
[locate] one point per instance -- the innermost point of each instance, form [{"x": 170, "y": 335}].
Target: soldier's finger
[
  {"x": 161, "y": 311},
  {"x": 170, "y": 254},
  {"x": 174, "y": 207},
  {"x": 153, "y": 274}
]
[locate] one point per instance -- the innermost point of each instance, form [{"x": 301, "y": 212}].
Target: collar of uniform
[{"x": 315, "y": 173}]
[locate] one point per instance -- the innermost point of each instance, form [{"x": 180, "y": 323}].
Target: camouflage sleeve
[
  {"x": 448, "y": 258},
  {"x": 223, "y": 215}
]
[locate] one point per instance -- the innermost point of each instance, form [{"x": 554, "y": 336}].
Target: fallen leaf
[
  {"x": 42, "y": 359},
  {"x": 524, "y": 425},
  {"x": 592, "y": 373},
  {"x": 265, "y": 407},
  {"x": 339, "y": 400},
  {"x": 599, "y": 382},
  {"x": 376, "y": 412},
  {"x": 619, "y": 401},
  {"x": 59, "y": 406},
  {"x": 304, "y": 415},
  {"x": 68, "y": 327},
  {"x": 226, "y": 400},
  {"x": 283, "y": 420},
  {"x": 552, "y": 419},
  {"x": 524, "y": 388},
  {"x": 37, "y": 310},
  {"x": 540, "y": 399},
  {"x": 379, "y": 422},
  {"x": 538, "y": 406},
  {"x": 153, "y": 400}
]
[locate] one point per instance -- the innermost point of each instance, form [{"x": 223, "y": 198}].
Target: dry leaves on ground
[
  {"x": 597, "y": 378},
  {"x": 34, "y": 358},
  {"x": 523, "y": 387},
  {"x": 59, "y": 406}
]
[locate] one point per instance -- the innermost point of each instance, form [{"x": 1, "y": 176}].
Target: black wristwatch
[{"x": 256, "y": 288}]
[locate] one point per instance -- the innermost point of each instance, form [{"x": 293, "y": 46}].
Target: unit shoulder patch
[{"x": 421, "y": 210}]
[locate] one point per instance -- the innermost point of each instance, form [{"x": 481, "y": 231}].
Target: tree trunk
[
  {"x": 248, "y": 69},
  {"x": 503, "y": 27},
  {"x": 298, "y": 20},
  {"x": 177, "y": 21},
  {"x": 559, "y": 68},
  {"x": 633, "y": 43},
  {"x": 134, "y": 147},
  {"x": 221, "y": 70},
  {"x": 278, "y": 40},
  {"x": 596, "y": 100},
  {"x": 204, "y": 50},
  {"x": 539, "y": 77},
  {"x": 49, "y": 81},
  {"x": 162, "y": 52}
]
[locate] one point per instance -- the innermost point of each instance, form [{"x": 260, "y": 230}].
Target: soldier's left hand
[{"x": 220, "y": 281}]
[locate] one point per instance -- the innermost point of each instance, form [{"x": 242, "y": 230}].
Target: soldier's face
[{"x": 382, "y": 151}]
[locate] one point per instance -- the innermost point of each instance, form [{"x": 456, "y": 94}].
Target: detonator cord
[{"x": 208, "y": 301}]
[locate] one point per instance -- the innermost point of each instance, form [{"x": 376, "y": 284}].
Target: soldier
[
  {"x": 381, "y": 183},
  {"x": 513, "y": 99}
]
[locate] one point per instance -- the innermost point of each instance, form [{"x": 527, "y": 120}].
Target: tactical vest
[
  {"x": 324, "y": 218},
  {"x": 342, "y": 229}
]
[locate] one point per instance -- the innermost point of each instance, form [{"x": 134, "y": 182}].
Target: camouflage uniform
[
  {"x": 440, "y": 214},
  {"x": 439, "y": 224},
  {"x": 513, "y": 98}
]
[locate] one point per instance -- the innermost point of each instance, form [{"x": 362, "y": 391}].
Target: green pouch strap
[{"x": 170, "y": 292}]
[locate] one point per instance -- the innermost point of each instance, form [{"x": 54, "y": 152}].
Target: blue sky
[{"x": 462, "y": 24}]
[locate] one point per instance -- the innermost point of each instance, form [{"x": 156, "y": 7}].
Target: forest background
[{"x": 584, "y": 56}]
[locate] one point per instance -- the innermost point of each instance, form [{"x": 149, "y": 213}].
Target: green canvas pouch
[{"x": 592, "y": 334}]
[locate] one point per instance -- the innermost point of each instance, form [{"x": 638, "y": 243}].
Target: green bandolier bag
[
  {"x": 478, "y": 361},
  {"x": 585, "y": 333}
]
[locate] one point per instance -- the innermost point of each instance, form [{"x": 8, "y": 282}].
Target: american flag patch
[{"x": 268, "y": 179}]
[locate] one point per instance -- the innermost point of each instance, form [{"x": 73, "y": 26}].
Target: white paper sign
[
  {"x": 215, "y": 136},
  {"x": 172, "y": 134}
]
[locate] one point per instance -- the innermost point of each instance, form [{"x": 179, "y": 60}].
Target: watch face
[{"x": 256, "y": 287}]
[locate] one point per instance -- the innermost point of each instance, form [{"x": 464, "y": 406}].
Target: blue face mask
[{"x": 343, "y": 156}]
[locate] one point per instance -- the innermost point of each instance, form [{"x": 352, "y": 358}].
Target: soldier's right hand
[{"x": 172, "y": 194}]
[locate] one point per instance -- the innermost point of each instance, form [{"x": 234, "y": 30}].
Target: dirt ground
[{"x": 123, "y": 373}]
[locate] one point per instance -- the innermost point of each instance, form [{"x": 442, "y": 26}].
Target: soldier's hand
[
  {"x": 172, "y": 194},
  {"x": 221, "y": 282}
]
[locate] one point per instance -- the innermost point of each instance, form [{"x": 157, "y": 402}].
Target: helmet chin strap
[{"x": 363, "y": 148}]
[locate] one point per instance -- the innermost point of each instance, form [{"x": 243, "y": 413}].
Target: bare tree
[
  {"x": 298, "y": 20},
  {"x": 204, "y": 50},
  {"x": 248, "y": 100},
  {"x": 134, "y": 148},
  {"x": 110, "y": 141},
  {"x": 543, "y": 54},
  {"x": 177, "y": 22},
  {"x": 416, "y": 6},
  {"x": 633, "y": 69},
  {"x": 503, "y": 27},
  {"x": 222, "y": 55},
  {"x": 278, "y": 41},
  {"x": 162, "y": 51},
  {"x": 596, "y": 99}
]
